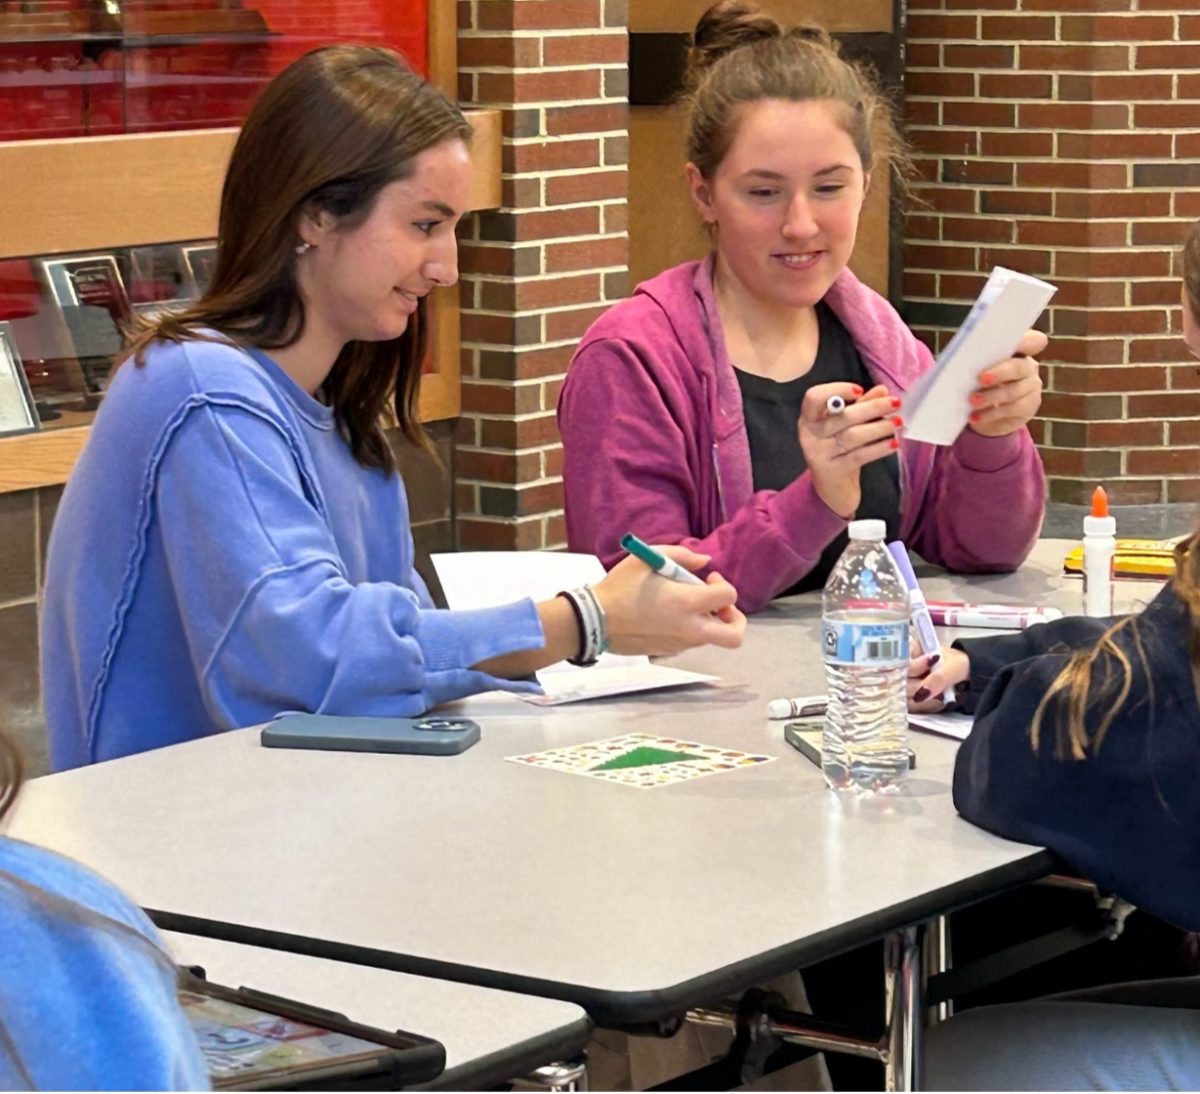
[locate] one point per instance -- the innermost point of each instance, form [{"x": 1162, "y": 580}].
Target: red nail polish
[
  {"x": 974, "y": 417},
  {"x": 896, "y": 403},
  {"x": 977, "y": 399},
  {"x": 897, "y": 422},
  {"x": 895, "y": 442},
  {"x": 986, "y": 379},
  {"x": 857, "y": 390}
]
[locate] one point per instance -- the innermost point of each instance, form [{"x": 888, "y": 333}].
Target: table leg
[
  {"x": 902, "y": 970},
  {"x": 566, "y": 1075},
  {"x": 938, "y": 959}
]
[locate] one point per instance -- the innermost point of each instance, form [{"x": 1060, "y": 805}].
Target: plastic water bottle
[{"x": 864, "y": 633}]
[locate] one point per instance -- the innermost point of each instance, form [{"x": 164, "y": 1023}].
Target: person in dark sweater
[{"x": 1087, "y": 741}]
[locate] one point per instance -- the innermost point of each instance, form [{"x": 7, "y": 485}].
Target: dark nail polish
[
  {"x": 934, "y": 658},
  {"x": 921, "y": 695}
]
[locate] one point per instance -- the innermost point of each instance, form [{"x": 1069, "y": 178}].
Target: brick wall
[
  {"x": 1062, "y": 138},
  {"x": 537, "y": 271}
]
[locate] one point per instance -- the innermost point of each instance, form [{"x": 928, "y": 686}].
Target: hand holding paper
[
  {"x": 1010, "y": 391},
  {"x": 482, "y": 579},
  {"x": 939, "y": 406}
]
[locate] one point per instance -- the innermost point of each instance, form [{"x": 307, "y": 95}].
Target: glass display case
[
  {"x": 71, "y": 68},
  {"x": 64, "y": 316}
]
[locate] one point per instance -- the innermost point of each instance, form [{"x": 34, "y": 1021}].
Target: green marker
[{"x": 659, "y": 563}]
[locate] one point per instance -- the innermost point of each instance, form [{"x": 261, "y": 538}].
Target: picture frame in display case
[
  {"x": 18, "y": 414},
  {"x": 90, "y": 292},
  {"x": 199, "y": 260}
]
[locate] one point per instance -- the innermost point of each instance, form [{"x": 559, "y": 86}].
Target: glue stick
[{"x": 1099, "y": 551}]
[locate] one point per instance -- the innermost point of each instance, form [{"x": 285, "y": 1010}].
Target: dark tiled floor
[
  {"x": 18, "y": 546},
  {"x": 20, "y": 703}
]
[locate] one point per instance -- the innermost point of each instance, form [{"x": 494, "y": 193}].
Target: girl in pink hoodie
[{"x": 697, "y": 411}]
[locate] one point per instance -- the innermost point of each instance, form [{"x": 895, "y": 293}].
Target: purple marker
[{"x": 918, "y": 610}]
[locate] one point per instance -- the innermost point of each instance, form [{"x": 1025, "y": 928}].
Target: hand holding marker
[
  {"x": 918, "y": 610},
  {"x": 659, "y": 563}
]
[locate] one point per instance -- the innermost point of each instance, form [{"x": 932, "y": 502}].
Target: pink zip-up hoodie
[{"x": 655, "y": 443}]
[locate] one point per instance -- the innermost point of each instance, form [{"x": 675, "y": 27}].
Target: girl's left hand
[{"x": 1009, "y": 391}]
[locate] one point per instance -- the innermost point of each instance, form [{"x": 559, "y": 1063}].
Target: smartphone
[
  {"x": 804, "y": 736},
  {"x": 432, "y": 734},
  {"x": 254, "y": 1041}
]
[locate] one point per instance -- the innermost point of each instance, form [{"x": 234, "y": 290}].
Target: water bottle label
[{"x": 865, "y": 643}]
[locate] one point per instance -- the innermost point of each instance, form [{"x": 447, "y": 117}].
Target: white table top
[
  {"x": 633, "y": 903},
  {"x": 489, "y": 1035}
]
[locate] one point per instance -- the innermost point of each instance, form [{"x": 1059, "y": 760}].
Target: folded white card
[
  {"x": 953, "y": 725},
  {"x": 938, "y": 406},
  {"x": 487, "y": 579}
]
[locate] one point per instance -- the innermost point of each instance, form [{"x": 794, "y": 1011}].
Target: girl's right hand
[
  {"x": 930, "y": 675},
  {"x": 836, "y": 446},
  {"x": 650, "y": 614}
]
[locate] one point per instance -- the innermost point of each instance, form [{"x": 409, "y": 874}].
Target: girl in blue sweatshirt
[
  {"x": 234, "y": 541},
  {"x": 87, "y": 991}
]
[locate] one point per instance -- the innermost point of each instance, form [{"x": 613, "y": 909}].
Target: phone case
[{"x": 431, "y": 735}]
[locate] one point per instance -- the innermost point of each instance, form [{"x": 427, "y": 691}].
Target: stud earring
[{"x": 303, "y": 248}]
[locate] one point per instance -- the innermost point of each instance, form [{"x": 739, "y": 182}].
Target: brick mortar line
[
  {"x": 551, "y": 32},
  {"x": 506, "y": 279},
  {"x": 543, "y": 104},
  {"x": 498, "y": 244}
]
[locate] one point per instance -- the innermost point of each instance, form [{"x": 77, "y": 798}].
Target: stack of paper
[
  {"x": 487, "y": 579},
  {"x": 938, "y": 407}
]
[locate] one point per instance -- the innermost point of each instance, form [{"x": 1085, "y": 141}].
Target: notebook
[{"x": 938, "y": 406}]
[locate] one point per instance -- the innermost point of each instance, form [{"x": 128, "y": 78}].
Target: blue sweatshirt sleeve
[{"x": 272, "y": 622}]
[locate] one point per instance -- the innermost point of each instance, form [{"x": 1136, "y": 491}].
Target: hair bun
[{"x": 726, "y": 26}]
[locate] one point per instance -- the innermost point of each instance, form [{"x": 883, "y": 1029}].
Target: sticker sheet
[{"x": 642, "y": 760}]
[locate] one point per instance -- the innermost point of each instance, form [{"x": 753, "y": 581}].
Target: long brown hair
[
  {"x": 327, "y": 134},
  {"x": 740, "y": 55},
  {"x": 1101, "y": 678}
]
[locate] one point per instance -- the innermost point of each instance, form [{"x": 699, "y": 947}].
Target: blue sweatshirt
[
  {"x": 85, "y": 1001},
  {"x": 1128, "y": 815},
  {"x": 219, "y": 557}
]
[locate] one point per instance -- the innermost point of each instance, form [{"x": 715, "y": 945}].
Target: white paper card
[
  {"x": 937, "y": 408},
  {"x": 957, "y": 726},
  {"x": 487, "y": 579}
]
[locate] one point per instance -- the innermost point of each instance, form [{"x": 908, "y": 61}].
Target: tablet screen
[{"x": 241, "y": 1044}]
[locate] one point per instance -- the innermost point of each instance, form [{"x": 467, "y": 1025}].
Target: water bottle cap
[{"x": 868, "y": 529}]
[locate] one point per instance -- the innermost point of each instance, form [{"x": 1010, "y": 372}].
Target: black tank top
[{"x": 772, "y": 409}]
